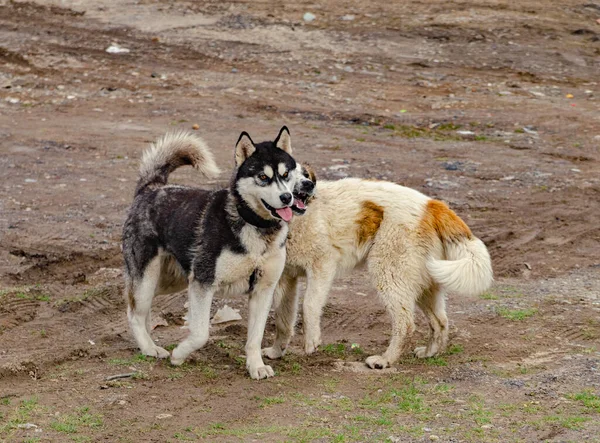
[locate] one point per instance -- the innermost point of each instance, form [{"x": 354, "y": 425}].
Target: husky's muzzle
[{"x": 284, "y": 213}]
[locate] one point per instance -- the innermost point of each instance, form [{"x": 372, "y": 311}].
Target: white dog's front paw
[
  {"x": 178, "y": 356},
  {"x": 311, "y": 345},
  {"x": 421, "y": 352},
  {"x": 377, "y": 362},
  {"x": 260, "y": 372},
  {"x": 272, "y": 353},
  {"x": 156, "y": 352}
]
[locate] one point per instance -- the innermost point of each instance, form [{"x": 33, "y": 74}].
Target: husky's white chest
[{"x": 233, "y": 270}]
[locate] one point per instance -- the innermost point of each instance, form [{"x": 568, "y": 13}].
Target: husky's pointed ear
[
  {"x": 283, "y": 140},
  {"x": 244, "y": 148}
]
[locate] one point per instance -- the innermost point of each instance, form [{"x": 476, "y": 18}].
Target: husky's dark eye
[
  {"x": 306, "y": 175},
  {"x": 263, "y": 177},
  {"x": 285, "y": 174}
]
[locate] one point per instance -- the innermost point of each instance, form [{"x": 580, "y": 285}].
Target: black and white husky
[{"x": 230, "y": 241}]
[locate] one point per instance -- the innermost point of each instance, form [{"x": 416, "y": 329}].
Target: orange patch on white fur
[
  {"x": 369, "y": 219},
  {"x": 442, "y": 221}
]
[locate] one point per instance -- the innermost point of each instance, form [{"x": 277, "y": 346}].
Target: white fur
[
  {"x": 268, "y": 171},
  {"x": 324, "y": 243},
  {"x": 467, "y": 269},
  {"x": 169, "y": 146},
  {"x": 281, "y": 168}
]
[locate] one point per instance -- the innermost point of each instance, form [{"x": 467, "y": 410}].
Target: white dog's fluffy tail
[
  {"x": 467, "y": 268},
  {"x": 171, "y": 151}
]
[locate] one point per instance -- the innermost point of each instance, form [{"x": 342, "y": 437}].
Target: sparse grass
[
  {"x": 589, "y": 400},
  {"x": 455, "y": 349},
  {"x": 70, "y": 423},
  {"x": 334, "y": 349},
  {"x": 22, "y": 414},
  {"x": 270, "y": 401},
  {"x": 32, "y": 296},
  {"x": 478, "y": 411},
  {"x": 488, "y": 296},
  {"x": 435, "y": 361},
  {"x": 138, "y": 358},
  {"x": 515, "y": 314},
  {"x": 568, "y": 422}
]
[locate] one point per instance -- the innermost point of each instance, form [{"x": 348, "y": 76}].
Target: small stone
[
  {"x": 27, "y": 426},
  {"x": 163, "y": 416},
  {"x": 348, "y": 69},
  {"x": 195, "y": 126},
  {"x": 12, "y": 100},
  {"x": 433, "y": 437},
  {"x": 569, "y": 96},
  {"x": 308, "y": 17},
  {"x": 116, "y": 49},
  {"x": 234, "y": 70},
  {"x": 348, "y": 17},
  {"x": 123, "y": 402}
]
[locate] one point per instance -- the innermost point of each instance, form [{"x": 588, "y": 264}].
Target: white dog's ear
[
  {"x": 283, "y": 140},
  {"x": 244, "y": 148}
]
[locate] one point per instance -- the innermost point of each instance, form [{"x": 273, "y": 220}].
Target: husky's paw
[
  {"x": 421, "y": 352},
  {"x": 311, "y": 345},
  {"x": 272, "y": 353},
  {"x": 157, "y": 352},
  {"x": 261, "y": 372},
  {"x": 377, "y": 362}
]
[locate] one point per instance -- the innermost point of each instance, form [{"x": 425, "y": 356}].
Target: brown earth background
[{"x": 489, "y": 105}]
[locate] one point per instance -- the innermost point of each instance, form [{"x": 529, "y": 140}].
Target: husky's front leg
[
  {"x": 200, "y": 300},
  {"x": 260, "y": 303}
]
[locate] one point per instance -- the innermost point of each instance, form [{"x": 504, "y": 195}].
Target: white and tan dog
[{"x": 415, "y": 248}]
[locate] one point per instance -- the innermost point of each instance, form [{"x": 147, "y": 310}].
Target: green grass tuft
[{"x": 515, "y": 314}]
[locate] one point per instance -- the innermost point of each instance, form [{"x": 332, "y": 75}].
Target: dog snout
[
  {"x": 308, "y": 186},
  {"x": 286, "y": 198}
]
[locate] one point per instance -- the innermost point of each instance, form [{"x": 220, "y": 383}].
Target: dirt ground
[{"x": 490, "y": 105}]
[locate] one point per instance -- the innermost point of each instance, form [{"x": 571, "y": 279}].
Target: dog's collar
[{"x": 254, "y": 219}]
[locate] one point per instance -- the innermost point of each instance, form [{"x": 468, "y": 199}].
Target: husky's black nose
[{"x": 286, "y": 198}]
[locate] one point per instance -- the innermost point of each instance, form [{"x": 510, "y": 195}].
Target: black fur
[{"x": 195, "y": 225}]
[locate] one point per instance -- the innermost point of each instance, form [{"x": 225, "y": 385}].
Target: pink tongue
[
  {"x": 285, "y": 213},
  {"x": 299, "y": 204}
]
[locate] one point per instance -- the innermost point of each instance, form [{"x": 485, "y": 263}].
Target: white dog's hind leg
[
  {"x": 400, "y": 303},
  {"x": 139, "y": 307},
  {"x": 286, "y": 312},
  {"x": 433, "y": 304},
  {"x": 318, "y": 284},
  {"x": 200, "y": 300}
]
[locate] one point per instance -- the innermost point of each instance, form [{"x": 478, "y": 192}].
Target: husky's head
[
  {"x": 304, "y": 188},
  {"x": 266, "y": 175}
]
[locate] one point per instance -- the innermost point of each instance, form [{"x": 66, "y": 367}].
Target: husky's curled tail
[
  {"x": 170, "y": 152},
  {"x": 467, "y": 268}
]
